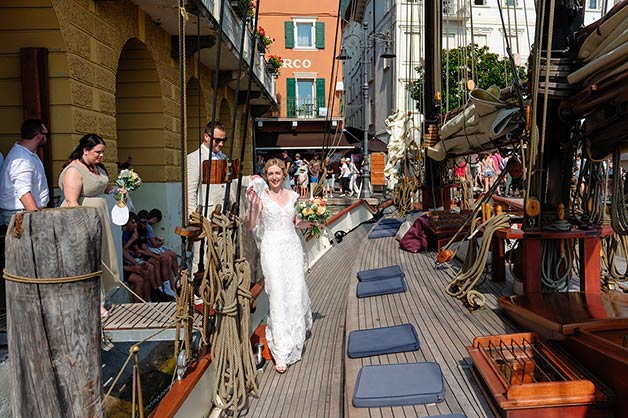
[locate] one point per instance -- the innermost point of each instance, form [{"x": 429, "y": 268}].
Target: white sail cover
[
  {"x": 485, "y": 118},
  {"x": 605, "y": 51},
  {"x": 404, "y": 129}
]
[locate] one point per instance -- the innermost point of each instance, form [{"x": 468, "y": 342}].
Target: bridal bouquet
[
  {"x": 127, "y": 181},
  {"x": 314, "y": 210}
]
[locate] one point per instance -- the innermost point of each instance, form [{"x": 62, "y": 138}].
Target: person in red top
[{"x": 461, "y": 170}]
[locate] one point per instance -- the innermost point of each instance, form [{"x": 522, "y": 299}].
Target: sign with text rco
[{"x": 296, "y": 63}]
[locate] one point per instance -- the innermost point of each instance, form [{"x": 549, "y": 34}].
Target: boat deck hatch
[{"x": 522, "y": 374}]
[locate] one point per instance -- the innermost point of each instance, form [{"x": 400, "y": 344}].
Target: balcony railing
[
  {"x": 231, "y": 27},
  {"x": 306, "y": 108}
]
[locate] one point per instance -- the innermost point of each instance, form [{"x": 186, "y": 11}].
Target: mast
[
  {"x": 432, "y": 97},
  {"x": 551, "y": 179}
]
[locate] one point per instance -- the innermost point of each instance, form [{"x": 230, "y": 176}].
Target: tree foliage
[{"x": 489, "y": 69}]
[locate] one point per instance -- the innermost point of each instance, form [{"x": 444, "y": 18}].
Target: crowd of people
[
  {"x": 482, "y": 170},
  {"x": 302, "y": 174}
]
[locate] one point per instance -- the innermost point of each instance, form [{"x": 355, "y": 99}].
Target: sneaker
[{"x": 167, "y": 289}]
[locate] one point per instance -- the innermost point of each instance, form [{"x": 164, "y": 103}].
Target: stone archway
[
  {"x": 196, "y": 114},
  {"x": 139, "y": 113}
]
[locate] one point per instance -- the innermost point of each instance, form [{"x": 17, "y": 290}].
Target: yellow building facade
[{"x": 110, "y": 70}]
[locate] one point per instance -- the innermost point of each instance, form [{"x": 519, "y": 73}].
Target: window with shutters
[
  {"x": 304, "y": 34},
  {"x": 306, "y": 97}
]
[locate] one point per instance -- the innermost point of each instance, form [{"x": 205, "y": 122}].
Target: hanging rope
[
  {"x": 234, "y": 372},
  {"x": 556, "y": 259},
  {"x": 619, "y": 214},
  {"x": 184, "y": 317},
  {"x": 593, "y": 198},
  {"x": 612, "y": 246}
]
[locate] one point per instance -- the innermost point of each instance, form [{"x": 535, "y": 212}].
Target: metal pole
[{"x": 366, "y": 174}]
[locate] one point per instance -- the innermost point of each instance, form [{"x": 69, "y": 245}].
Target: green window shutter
[
  {"x": 320, "y": 93},
  {"x": 291, "y": 92},
  {"x": 320, "y": 35},
  {"x": 289, "y": 33}
]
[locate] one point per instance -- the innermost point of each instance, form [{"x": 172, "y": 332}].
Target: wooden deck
[
  {"x": 131, "y": 322},
  {"x": 321, "y": 385}
]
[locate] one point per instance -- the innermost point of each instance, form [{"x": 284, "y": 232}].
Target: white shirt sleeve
[
  {"x": 21, "y": 174},
  {"x": 193, "y": 181}
]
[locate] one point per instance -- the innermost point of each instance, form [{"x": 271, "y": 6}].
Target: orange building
[{"x": 309, "y": 87}]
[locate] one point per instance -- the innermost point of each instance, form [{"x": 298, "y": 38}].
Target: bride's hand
[
  {"x": 253, "y": 197},
  {"x": 304, "y": 224}
]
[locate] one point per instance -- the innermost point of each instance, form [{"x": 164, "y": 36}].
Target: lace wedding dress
[{"x": 282, "y": 260}]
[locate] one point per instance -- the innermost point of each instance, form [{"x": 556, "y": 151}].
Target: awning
[
  {"x": 267, "y": 141},
  {"x": 314, "y": 141},
  {"x": 356, "y": 134}
]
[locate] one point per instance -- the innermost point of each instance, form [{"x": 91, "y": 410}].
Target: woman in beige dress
[{"x": 84, "y": 182}]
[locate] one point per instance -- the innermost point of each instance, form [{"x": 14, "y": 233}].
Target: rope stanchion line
[{"x": 49, "y": 280}]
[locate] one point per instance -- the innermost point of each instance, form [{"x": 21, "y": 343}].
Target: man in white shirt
[
  {"x": 196, "y": 192},
  {"x": 196, "y": 189},
  {"x": 23, "y": 183}
]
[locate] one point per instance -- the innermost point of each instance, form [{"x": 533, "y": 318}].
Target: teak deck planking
[
  {"x": 322, "y": 383},
  {"x": 139, "y": 316},
  {"x": 444, "y": 326}
]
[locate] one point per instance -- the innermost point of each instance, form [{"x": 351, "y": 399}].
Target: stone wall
[{"x": 86, "y": 40}]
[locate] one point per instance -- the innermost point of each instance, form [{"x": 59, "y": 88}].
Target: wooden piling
[{"x": 53, "y": 313}]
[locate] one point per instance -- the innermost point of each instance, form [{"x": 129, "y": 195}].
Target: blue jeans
[{"x": 8, "y": 213}]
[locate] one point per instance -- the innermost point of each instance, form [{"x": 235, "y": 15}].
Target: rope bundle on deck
[{"x": 461, "y": 287}]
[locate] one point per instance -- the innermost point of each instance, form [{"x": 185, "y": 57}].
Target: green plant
[
  {"x": 266, "y": 40},
  {"x": 457, "y": 65},
  {"x": 275, "y": 61},
  {"x": 250, "y": 7}
]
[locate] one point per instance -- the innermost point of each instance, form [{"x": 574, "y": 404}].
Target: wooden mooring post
[{"x": 53, "y": 313}]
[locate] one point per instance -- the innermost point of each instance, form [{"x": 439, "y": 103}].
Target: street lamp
[{"x": 388, "y": 53}]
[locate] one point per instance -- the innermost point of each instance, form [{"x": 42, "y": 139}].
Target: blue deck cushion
[
  {"x": 385, "y": 340},
  {"x": 382, "y": 233},
  {"x": 398, "y": 384},
  {"x": 385, "y": 228},
  {"x": 387, "y": 272},
  {"x": 392, "y": 221},
  {"x": 380, "y": 287}
]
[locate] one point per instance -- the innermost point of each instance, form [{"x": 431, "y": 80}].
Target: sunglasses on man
[{"x": 220, "y": 140}]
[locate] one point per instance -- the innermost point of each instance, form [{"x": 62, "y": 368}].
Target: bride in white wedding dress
[{"x": 273, "y": 213}]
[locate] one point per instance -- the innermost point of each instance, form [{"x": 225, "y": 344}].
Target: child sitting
[
  {"x": 155, "y": 245},
  {"x": 134, "y": 239},
  {"x": 139, "y": 274}
]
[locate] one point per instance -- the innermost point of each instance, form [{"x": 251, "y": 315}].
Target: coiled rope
[
  {"x": 611, "y": 247},
  {"x": 619, "y": 215},
  {"x": 556, "y": 258},
  {"x": 403, "y": 195},
  {"x": 461, "y": 287}
]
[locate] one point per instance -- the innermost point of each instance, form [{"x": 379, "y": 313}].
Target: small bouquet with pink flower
[{"x": 314, "y": 210}]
